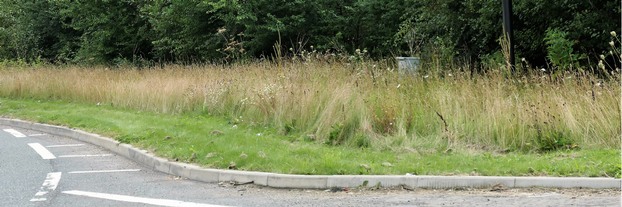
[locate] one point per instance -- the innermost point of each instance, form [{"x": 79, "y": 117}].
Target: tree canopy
[{"x": 116, "y": 31}]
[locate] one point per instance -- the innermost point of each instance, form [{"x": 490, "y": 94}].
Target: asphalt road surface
[{"x": 39, "y": 169}]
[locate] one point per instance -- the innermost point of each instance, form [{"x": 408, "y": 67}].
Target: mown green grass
[{"x": 217, "y": 142}]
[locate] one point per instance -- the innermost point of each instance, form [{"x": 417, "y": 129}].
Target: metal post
[{"x": 509, "y": 33}]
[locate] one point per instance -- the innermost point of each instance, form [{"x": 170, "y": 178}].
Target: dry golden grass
[{"x": 355, "y": 104}]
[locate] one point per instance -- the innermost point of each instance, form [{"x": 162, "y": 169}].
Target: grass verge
[
  {"x": 216, "y": 142},
  {"x": 358, "y": 105}
]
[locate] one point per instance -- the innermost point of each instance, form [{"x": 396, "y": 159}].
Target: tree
[
  {"x": 109, "y": 30},
  {"x": 472, "y": 26},
  {"x": 34, "y": 30},
  {"x": 587, "y": 22},
  {"x": 189, "y": 37},
  {"x": 113, "y": 31}
]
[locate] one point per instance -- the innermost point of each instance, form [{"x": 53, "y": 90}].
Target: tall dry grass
[{"x": 358, "y": 104}]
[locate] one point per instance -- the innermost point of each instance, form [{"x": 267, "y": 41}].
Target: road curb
[{"x": 311, "y": 181}]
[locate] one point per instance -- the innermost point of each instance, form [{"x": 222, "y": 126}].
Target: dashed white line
[
  {"x": 71, "y": 156},
  {"x": 132, "y": 199},
  {"x": 42, "y": 151},
  {"x": 15, "y": 133},
  {"x": 64, "y": 145},
  {"x": 103, "y": 171},
  {"x": 49, "y": 185},
  {"x": 36, "y": 135}
]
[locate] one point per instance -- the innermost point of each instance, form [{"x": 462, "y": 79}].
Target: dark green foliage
[
  {"x": 130, "y": 31},
  {"x": 469, "y": 28},
  {"x": 335, "y": 136},
  {"x": 339, "y": 134},
  {"x": 33, "y": 30},
  {"x": 559, "y": 50},
  {"x": 472, "y": 26},
  {"x": 362, "y": 141},
  {"x": 587, "y": 23},
  {"x": 289, "y": 128},
  {"x": 554, "y": 140},
  {"x": 615, "y": 170},
  {"x": 341, "y": 26},
  {"x": 183, "y": 30},
  {"x": 110, "y": 30}
]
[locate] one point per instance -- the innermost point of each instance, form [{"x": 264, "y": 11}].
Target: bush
[
  {"x": 553, "y": 140},
  {"x": 559, "y": 50}
]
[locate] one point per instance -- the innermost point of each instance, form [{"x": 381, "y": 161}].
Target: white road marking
[
  {"x": 104, "y": 171},
  {"x": 36, "y": 135},
  {"x": 64, "y": 145},
  {"x": 71, "y": 156},
  {"x": 15, "y": 133},
  {"x": 42, "y": 151},
  {"x": 49, "y": 185},
  {"x": 132, "y": 199}
]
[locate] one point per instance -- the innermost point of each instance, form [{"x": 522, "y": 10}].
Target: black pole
[{"x": 509, "y": 32}]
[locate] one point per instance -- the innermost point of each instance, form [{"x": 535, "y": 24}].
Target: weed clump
[{"x": 554, "y": 140}]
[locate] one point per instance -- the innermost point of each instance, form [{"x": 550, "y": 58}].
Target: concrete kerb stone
[
  {"x": 162, "y": 165},
  {"x": 298, "y": 181},
  {"x": 258, "y": 178},
  {"x": 525, "y": 182},
  {"x": 463, "y": 181},
  {"x": 100, "y": 141},
  {"x": 305, "y": 181},
  {"x": 352, "y": 181},
  {"x": 182, "y": 169},
  {"x": 143, "y": 157},
  {"x": 124, "y": 150},
  {"x": 205, "y": 175}
]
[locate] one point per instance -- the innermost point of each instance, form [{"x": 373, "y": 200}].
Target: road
[{"x": 39, "y": 169}]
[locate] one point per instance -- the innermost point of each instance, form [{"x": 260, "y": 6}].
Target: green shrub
[
  {"x": 559, "y": 50},
  {"x": 362, "y": 141},
  {"x": 554, "y": 140}
]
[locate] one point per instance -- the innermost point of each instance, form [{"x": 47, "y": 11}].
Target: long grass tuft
[{"x": 363, "y": 104}]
